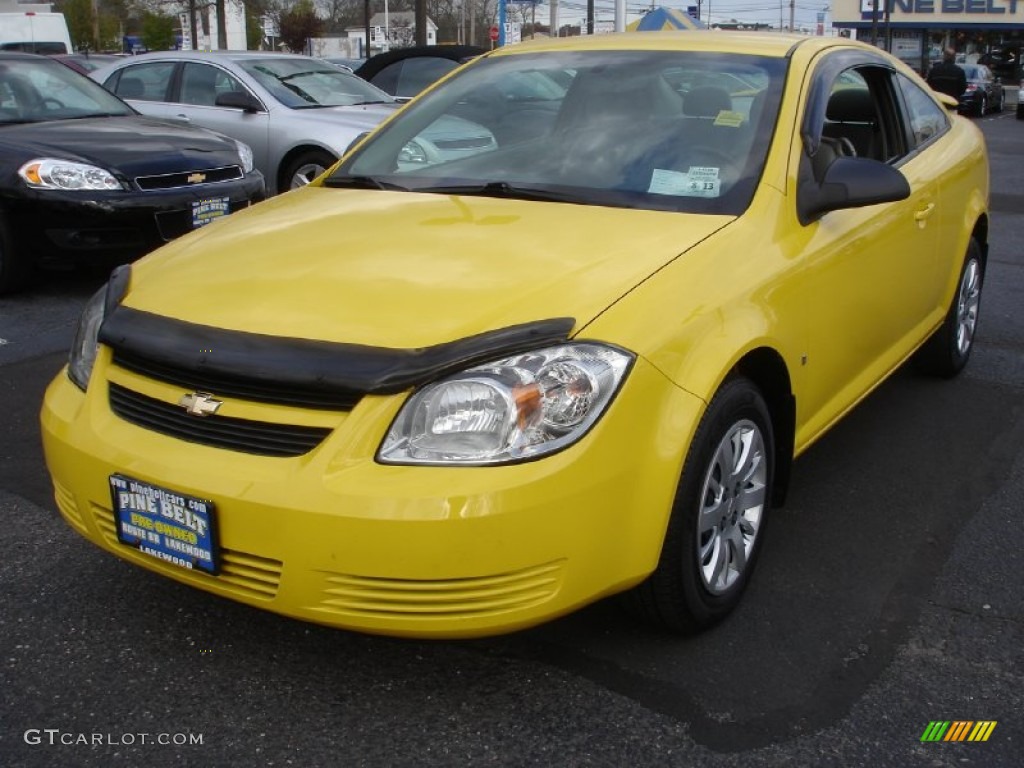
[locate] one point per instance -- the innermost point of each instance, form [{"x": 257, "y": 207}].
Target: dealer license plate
[
  {"x": 165, "y": 524},
  {"x": 205, "y": 211}
]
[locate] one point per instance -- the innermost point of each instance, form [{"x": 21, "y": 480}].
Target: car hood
[
  {"x": 129, "y": 144},
  {"x": 361, "y": 117},
  {"x": 407, "y": 270}
]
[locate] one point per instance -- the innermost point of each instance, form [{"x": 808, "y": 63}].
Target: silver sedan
[{"x": 299, "y": 114}]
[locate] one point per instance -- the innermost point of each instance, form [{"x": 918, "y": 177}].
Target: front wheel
[
  {"x": 304, "y": 168},
  {"x": 718, "y": 516},
  {"x": 947, "y": 351}
]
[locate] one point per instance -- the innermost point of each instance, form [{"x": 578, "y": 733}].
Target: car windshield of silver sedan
[
  {"x": 39, "y": 91},
  {"x": 308, "y": 84},
  {"x": 661, "y": 130}
]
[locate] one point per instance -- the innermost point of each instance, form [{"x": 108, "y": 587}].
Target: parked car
[
  {"x": 85, "y": 177},
  {"x": 404, "y": 72},
  {"x": 1004, "y": 62},
  {"x": 298, "y": 114},
  {"x": 350, "y": 64},
  {"x": 463, "y": 397},
  {"x": 984, "y": 92},
  {"x": 86, "y": 62}
]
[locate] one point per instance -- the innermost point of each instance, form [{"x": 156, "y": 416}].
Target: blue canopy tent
[{"x": 662, "y": 18}]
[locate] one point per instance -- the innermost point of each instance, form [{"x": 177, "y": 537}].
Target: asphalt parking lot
[{"x": 889, "y": 596}]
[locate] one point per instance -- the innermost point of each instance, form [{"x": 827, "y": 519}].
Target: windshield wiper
[
  {"x": 503, "y": 189},
  {"x": 362, "y": 182}
]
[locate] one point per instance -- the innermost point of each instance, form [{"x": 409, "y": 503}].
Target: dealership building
[{"x": 918, "y": 30}]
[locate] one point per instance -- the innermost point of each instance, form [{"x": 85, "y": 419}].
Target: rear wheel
[
  {"x": 717, "y": 521},
  {"x": 15, "y": 267},
  {"x": 947, "y": 351},
  {"x": 304, "y": 168}
]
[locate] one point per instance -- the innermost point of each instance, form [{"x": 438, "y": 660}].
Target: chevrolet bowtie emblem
[
  {"x": 196, "y": 178},
  {"x": 200, "y": 404}
]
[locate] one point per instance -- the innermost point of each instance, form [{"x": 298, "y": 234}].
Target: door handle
[
  {"x": 184, "y": 118},
  {"x": 922, "y": 215}
]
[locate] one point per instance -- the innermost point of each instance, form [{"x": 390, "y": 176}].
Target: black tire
[
  {"x": 947, "y": 351},
  {"x": 15, "y": 267},
  {"x": 982, "y": 107},
  {"x": 684, "y": 594},
  {"x": 304, "y": 168}
]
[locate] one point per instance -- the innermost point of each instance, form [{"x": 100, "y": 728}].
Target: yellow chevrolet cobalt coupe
[{"x": 455, "y": 388}]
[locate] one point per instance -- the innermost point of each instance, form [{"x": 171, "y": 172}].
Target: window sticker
[
  {"x": 699, "y": 181},
  {"x": 730, "y": 119}
]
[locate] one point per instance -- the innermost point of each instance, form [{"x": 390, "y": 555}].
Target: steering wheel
[{"x": 52, "y": 103}]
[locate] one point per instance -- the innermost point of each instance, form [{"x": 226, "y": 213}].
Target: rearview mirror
[
  {"x": 239, "y": 100},
  {"x": 849, "y": 182}
]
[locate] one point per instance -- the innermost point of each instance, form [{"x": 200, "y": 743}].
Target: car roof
[
  {"x": 219, "y": 55},
  {"x": 753, "y": 43},
  {"x": 22, "y": 56}
]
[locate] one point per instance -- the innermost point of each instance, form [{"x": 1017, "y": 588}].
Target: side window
[
  {"x": 863, "y": 115},
  {"x": 927, "y": 119},
  {"x": 201, "y": 84},
  {"x": 143, "y": 82},
  {"x": 851, "y": 117}
]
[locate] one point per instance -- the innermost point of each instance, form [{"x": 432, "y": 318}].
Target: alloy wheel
[{"x": 733, "y": 503}]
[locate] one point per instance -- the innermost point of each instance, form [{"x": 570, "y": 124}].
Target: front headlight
[
  {"x": 413, "y": 153},
  {"x": 517, "y": 408},
  {"x": 86, "y": 344},
  {"x": 54, "y": 173},
  {"x": 245, "y": 156}
]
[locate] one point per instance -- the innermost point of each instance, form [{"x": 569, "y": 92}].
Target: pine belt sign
[{"x": 999, "y": 11}]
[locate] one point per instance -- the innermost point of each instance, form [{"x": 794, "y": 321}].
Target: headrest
[{"x": 851, "y": 105}]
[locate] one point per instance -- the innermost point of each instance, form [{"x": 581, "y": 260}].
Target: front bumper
[
  {"x": 335, "y": 538},
  {"x": 120, "y": 225}
]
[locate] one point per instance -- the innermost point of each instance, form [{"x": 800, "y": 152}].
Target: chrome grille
[
  {"x": 477, "y": 142},
  {"x": 255, "y": 437},
  {"x": 190, "y": 178}
]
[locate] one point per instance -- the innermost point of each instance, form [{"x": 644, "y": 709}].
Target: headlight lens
[
  {"x": 413, "y": 153},
  {"x": 245, "y": 156},
  {"x": 86, "y": 344},
  {"x": 517, "y": 408},
  {"x": 53, "y": 173}
]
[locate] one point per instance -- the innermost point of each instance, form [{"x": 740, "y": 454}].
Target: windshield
[
  {"x": 641, "y": 129},
  {"x": 39, "y": 90},
  {"x": 306, "y": 82}
]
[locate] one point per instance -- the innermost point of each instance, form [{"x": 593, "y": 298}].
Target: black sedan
[
  {"x": 83, "y": 176},
  {"x": 984, "y": 92}
]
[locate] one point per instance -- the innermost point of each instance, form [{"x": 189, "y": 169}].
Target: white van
[{"x": 35, "y": 33}]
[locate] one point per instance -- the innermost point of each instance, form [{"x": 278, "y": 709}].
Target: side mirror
[
  {"x": 848, "y": 182},
  {"x": 239, "y": 100}
]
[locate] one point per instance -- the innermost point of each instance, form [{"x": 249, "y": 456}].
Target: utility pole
[
  {"x": 96, "y": 26},
  {"x": 421, "y": 22},
  {"x": 222, "y": 27},
  {"x": 366, "y": 14}
]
